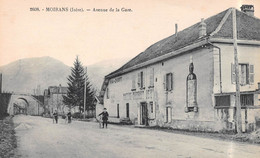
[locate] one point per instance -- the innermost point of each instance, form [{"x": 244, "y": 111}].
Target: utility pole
[
  {"x": 85, "y": 90},
  {"x": 237, "y": 100}
]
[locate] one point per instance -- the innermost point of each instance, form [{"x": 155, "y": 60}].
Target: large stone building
[
  {"x": 187, "y": 80},
  {"x": 53, "y": 99}
]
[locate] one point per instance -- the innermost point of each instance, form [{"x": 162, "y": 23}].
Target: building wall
[
  {"x": 55, "y": 102},
  {"x": 246, "y": 54},
  {"x": 119, "y": 90}
]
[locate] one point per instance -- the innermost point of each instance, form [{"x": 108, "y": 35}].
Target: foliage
[
  {"x": 75, "y": 95},
  {"x": 4, "y": 101}
]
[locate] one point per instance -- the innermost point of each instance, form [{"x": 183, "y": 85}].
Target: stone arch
[{"x": 27, "y": 104}]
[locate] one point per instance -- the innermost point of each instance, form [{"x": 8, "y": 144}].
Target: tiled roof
[
  {"x": 248, "y": 29},
  {"x": 217, "y": 26}
]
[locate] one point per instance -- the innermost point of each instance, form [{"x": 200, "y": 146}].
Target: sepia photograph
[{"x": 129, "y": 79}]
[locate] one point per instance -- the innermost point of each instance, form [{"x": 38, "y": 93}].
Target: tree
[{"x": 75, "y": 95}]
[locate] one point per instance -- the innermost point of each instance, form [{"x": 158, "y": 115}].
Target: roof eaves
[{"x": 195, "y": 44}]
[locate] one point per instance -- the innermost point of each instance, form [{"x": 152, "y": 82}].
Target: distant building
[
  {"x": 187, "y": 81},
  {"x": 53, "y": 99}
]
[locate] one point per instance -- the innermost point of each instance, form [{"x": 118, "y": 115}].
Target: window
[
  {"x": 222, "y": 100},
  {"x": 151, "y": 107},
  {"x": 141, "y": 80},
  {"x": 247, "y": 99},
  {"x": 118, "y": 111},
  {"x": 127, "y": 110},
  {"x": 168, "y": 82},
  {"x": 151, "y": 78},
  {"x": 133, "y": 83},
  {"x": 243, "y": 74},
  {"x": 107, "y": 93},
  {"x": 246, "y": 74},
  {"x": 168, "y": 117}
]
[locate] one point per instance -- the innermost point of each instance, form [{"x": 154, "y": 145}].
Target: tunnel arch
[{"x": 18, "y": 109}]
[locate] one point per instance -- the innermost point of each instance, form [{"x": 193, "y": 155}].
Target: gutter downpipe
[{"x": 220, "y": 75}]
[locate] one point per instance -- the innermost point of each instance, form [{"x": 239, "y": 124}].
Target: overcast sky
[{"x": 97, "y": 36}]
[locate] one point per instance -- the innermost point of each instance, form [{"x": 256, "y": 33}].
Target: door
[
  {"x": 144, "y": 114},
  {"x": 127, "y": 110}
]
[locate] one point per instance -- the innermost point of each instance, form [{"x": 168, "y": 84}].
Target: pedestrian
[
  {"x": 104, "y": 117},
  {"x": 69, "y": 116},
  {"x": 55, "y": 115}
]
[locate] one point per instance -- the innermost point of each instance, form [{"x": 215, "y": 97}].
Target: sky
[{"x": 97, "y": 36}]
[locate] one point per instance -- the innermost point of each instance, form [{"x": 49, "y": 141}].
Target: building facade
[
  {"x": 187, "y": 81},
  {"x": 53, "y": 99}
]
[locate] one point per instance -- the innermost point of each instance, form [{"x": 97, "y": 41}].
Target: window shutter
[
  {"x": 169, "y": 119},
  {"x": 166, "y": 115},
  {"x": 133, "y": 82},
  {"x": 152, "y": 77},
  {"x": 171, "y": 81},
  {"x": 143, "y": 80},
  {"x": 164, "y": 82},
  {"x": 107, "y": 93},
  {"x": 233, "y": 75},
  {"x": 251, "y": 74},
  {"x": 139, "y": 79}
]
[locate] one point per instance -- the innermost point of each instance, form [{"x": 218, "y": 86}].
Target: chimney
[
  {"x": 202, "y": 28},
  {"x": 176, "y": 29},
  {"x": 248, "y": 9},
  {"x": 0, "y": 83}
]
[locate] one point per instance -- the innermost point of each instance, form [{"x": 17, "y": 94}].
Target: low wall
[
  {"x": 192, "y": 125},
  {"x": 4, "y": 101}
]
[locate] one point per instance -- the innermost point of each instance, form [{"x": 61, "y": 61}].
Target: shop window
[
  {"x": 247, "y": 99},
  {"x": 222, "y": 100}
]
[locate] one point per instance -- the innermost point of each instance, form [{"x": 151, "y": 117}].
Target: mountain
[
  {"x": 24, "y": 75},
  {"x": 98, "y": 71}
]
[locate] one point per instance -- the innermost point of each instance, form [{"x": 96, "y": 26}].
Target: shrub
[{"x": 77, "y": 115}]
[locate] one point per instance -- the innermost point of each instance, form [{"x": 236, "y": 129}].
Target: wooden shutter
[
  {"x": 143, "y": 86},
  {"x": 139, "y": 79},
  {"x": 164, "y": 82},
  {"x": 151, "y": 77},
  {"x": 171, "y": 81},
  {"x": 251, "y": 74},
  {"x": 133, "y": 82},
  {"x": 233, "y": 74},
  {"x": 169, "y": 110},
  {"x": 107, "y": 93},
  {"x": 166, "y": 115}
]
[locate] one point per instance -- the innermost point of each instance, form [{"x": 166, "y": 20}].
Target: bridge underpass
[{"x": 25, "y": 104}]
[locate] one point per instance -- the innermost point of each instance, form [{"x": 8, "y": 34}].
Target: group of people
[
  {"x": 104, "y": 116},
  {"x": 55, "y": 117}
]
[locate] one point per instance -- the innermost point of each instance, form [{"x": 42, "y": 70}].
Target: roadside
[
  {"x": 251, "y": 138},
  {"x": 8, "y": 141}
]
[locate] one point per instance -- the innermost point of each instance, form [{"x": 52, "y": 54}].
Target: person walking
[
  {"x": 69, "y": 116},
  {"x": 55, "y": 115},
  {"x": 104, "y": 117}
]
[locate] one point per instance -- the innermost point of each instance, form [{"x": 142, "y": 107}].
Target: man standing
[
  {"x": 104, "y": 117},
  {"x": 69, "y": 117},
  {"x": 55, "y": 115}
]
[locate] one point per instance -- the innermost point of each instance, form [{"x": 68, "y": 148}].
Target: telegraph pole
[
  {"x": 237, "y": 100},
  {"x": 85, "y": 91}
]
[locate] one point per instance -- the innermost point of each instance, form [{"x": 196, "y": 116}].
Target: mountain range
[{"x": 33, "y": 75}]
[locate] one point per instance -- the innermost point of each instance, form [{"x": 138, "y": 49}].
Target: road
[{"x": 39, "y": 138}]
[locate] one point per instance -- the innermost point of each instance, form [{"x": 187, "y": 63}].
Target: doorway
[
  {"x": 144, "y": 114},
  {"x": 127, "y": 110}
]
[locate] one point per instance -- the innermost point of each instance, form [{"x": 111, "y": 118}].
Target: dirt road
[{"x": 39, "y": 138}]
